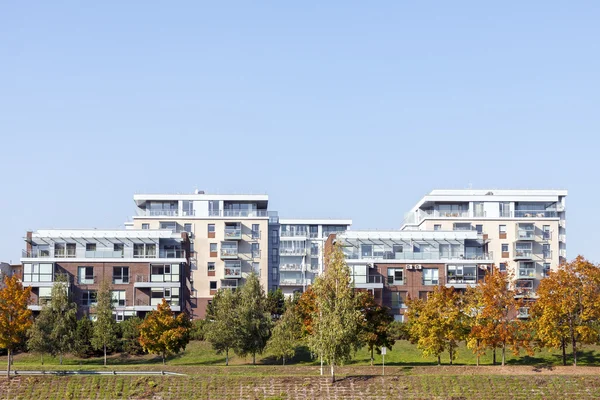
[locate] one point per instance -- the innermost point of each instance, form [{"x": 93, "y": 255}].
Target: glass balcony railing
[
  {"x": 535, "y": 214},
  {"x": 292, "y": 267},
  {"x": 294, "y": 233},
  {"x": 229, "y": 253},
  {"x": 233, "y": 233},
  {"x": 435, "y": 255},
  {"x": 292, "y": 252},
  {"x": 238, "y": 213}
]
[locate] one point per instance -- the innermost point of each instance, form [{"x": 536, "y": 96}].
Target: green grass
[{"x": 201, "y": 354}]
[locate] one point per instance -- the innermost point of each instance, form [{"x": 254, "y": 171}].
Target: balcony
[
  {"x": 152, "y": 304},
  {"x": 292, "y": 252},
  {"x": 291, "y": 282},
  {"x": 523, "y": 312},
  {"x": 292, "y": 267},
  {"x": 35, "y": 253},
  {"x": 526, "y": 273},
  {"x": 294, "y": 234},
  {"x": 162, "y": 213},
  {"x": 229, "y": 250},
  {"x": 157, "y": 280},
  {"x": 460, "y": 281},
  {"x": 535, "y": 214},
  {"x": 233, "y": 269},
  {"x": 525, "y": 232},
  {"x": 233, "y": 233},
  {"x": 415, "y": 256},
  {"x": 87, "y": 280},
  {"x": 523, "y": 252},
  {"x": 369, "y": 282},
  {"x": 238, "y": 213}
]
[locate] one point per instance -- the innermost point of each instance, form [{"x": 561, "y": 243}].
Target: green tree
[
  {"x": 38, "y": 336},
  {"x": 374, "y": 327},
  {"x": 568, "y": 307},
  {"x": 62, "y": 317},
  {"x": 254, "y": 327},
  {"x": 82, "y": 345},
  {"x": 15, "y": 317},
  {"x": 222, "y": 322},
  {"x": 437, "y": 324},
  {"x": 336, "y": 319},
  {"x": 286, "y": 333},
  {"x": 163, "y": 333},
  {"x": 130, "y": 329},
  {"x": 105, "y": 329},
  {"x": 276, "y": 304}
]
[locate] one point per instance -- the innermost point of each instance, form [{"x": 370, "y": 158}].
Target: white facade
[
  {"x": 525, "y": 230},
  {"x": 301, "y": 250}
]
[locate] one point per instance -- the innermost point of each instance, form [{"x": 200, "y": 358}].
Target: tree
[
  {"x": 222, "y": 323},
  {"x": 437, "y": 324},
  {"x": 568, "y": 307},
  {"x": 335, "y": 319},
  {"x": 254, "y": 327},
  {"x": 62, "y": 316},
  {"x": 105, "y": 336},
  {"x": 286, "y": 334},
  {"x": 163, "y": 333},
  {"x": 82, "y": 346},
  {"x": 276, "y": 304},
  {"x": 374, "y": 327},
  {"x": 493, "y": 308},
  {"x": 130, "y": 329},
  {"x": 306, "y": 308},
  {"x": 38, "y": 335},
  {"x": 15, "y": 316}
]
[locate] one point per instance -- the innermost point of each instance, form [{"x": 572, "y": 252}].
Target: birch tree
[
  {"x": 104, "y": 337},
  {"x": 222, "y": 323}
]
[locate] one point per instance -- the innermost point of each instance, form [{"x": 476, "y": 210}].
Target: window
[
  {"x": 213, "y": 247},
  {"x": 211, "y": 266},
  {"x": 437, "y": 227},
  {"x": 120, "y": 316},
  {"x": 120, "y": 275},
  {"x": 85, "y": 275},
  {"x": 145, "y": 226},
  {"x": 546, "y": 232},
  {"x": 479, "y": 229},
  {"x": 213, "y": 285},
  {"x": 546, "y": 250},
  {"x": 314, "y": 249},
  {"x": 187, "y": 228},
  {"x": 255, "y": 250},
  {"x": 395, "y": 276},
  {"x": 502, "y": 267},
  {"x": 398, "y": 299},
  {"x": 502, "y": 229},
  {"x": 187, "y": 207},
  {"x": 119, "y": 249},
  {"x": 90, "y": 247},
  {"x": 211, "y": 228},
  {"x": 37, "y": 272},
  {"x": 275, "y": 236},
  {"x": 88, "y": 298},
  {"x": 255, "y": 231},
  {"x": 313, "y": 231},
  {"x": 274, "y": 254},
  {"x": 314, "y": 264},
  {"x": 366, "y": 250},
  {"x": 170, "y": 225},
  {"x": 44, "y": 295},
  {"x": 170, "y": 295},
  {"x": 164, "y": 273},
  {"x": 430, "y": 276},
  {"x": 505, "y": 247},
  {"x": 397, "y": 248},
  {"x": 256, "y": 268},
  {"x": 546, "y": 270},
  {"x": 141, "y": 250},
  {"x": 59, "y": 249},
  {"x": 118, "y": 298}
]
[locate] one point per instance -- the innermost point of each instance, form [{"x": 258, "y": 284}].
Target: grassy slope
[{"x": 403, "y": 353}]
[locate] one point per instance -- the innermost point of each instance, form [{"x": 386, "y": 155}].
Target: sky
[{"x": 345, "y": 109}]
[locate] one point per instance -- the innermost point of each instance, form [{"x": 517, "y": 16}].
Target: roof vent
[
  {"x": 199, "y": 191},
  {"x": 489, "y": 194}
]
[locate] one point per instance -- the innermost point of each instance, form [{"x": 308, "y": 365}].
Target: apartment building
[
  {"x": 525, "y": 230},
  {"x": 301, "y": 251},
  {"x": 396, "y": 265},
  {"x": 229, "y": 237},
  {"x": 142, "y": 266}
]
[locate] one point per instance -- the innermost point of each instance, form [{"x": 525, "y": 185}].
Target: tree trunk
[
  {"x": 284, "y": 361},
  {"x": 372, "y": 355},
  {"x": 450, "y": 351},
  {"x": 8, "y": 367},
  {"x": 321, "y": 364},
  {"x": 253, "y": 358},
  {"x": 503, "y": 353},
  {"x": 227, "y": 357},
  {"x": 42, "y": 358},
  {"x": 439, "y": 360},
  {"x": 163, "y": 357},
  {"x": 478, "y": 352},
  {"x": 478, "y": 359},
  {"x": 494, "y": 358},
  {"x": 332, "y": 372},
  {"x": 564, "y": 351},
  {"x": 60, "y": 358},
  {"x": 105, "y": 355},
  {"x": 574, "y": 348}
]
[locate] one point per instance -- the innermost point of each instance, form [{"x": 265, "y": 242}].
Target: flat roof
[
  {"x": 101, "y": 233},
  {"x": 315, "y": 221},
  {"x": 408, "y": 235}
]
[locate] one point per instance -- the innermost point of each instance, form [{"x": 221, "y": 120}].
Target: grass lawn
[{"x": 402, "y": 354}]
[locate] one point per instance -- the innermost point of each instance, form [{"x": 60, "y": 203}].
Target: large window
[
  {"x": 85, "y": 275},
  {"x": 144, "y": 250},
  {"x": 255, "y": 250},
  {"x": 118, "y": 298},
  {"x": 65, "y": 249},
  {"x": 164, "y": 273},
  {"x": 395, "y": 276},
  {"x": 88, "y": 298},
  {"x": 430, "y": 276},
  {"x": 37, "y": 272},
  {"x": 462, "y": 274},
  {"x": 120, "y": 275},
  {"x": 366, "y": 250},
  {"x": 171, "y": 295},
  {"x": 90, "y": 247},
  {"x": 314, "y": 248},
  {"x": 255, "y": 231},
  {"x": 398, "y": 299},
  {"x": 170, "y": 225},
  {"x": 44, "y": 295}
]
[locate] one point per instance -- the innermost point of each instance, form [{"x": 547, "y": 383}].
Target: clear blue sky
[{"x": 344, "y": 109}]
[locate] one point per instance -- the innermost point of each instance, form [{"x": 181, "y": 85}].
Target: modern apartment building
[
  {"x": 301, "y": 250},
  {"x": 229, "y": 236},
  {"x": 394, "y": 265},
  {"x": 524, "y": 230},
  {"x": 142, "y": 266}
]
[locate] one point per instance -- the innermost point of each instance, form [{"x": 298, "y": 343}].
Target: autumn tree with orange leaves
[
  {"x": 493, "y": 310},
  {"x": 568, "y": 307},
  {"x": 15, "y": 317},
  {"x": 163, "y": 333}
]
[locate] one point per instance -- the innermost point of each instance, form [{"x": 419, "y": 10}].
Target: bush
[
  {"x": 130, "y": 332},
  {"x": 198, "y": 330},
  {"x": 399, "y": 330},
  {"x": 82, "y": 346}
]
